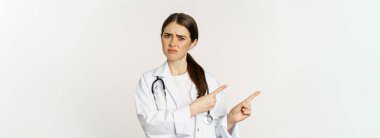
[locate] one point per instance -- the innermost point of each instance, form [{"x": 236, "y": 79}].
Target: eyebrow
[{"x": 182, "y": 36}]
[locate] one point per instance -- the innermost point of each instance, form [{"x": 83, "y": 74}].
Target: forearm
[
  {"x": 230, "y": 124},
  {"x": 166, "y": 122}
]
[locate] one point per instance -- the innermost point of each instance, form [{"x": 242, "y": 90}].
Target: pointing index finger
[
  {"x": 219, "y": 90},
  {"x": 252, "y": 96}
]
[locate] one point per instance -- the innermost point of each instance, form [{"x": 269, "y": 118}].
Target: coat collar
[{"x": 162, "y": 71}]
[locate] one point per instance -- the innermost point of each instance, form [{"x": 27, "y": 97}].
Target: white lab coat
[{"x": 172, "y": 119}]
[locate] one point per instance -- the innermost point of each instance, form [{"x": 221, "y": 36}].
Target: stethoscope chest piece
[{"x": 208, "y": 119}]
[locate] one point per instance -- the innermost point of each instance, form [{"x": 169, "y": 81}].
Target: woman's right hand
[{"x": 206, "y": 102}]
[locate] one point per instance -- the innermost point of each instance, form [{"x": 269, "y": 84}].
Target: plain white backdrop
[{"x": 68, "y": 69}]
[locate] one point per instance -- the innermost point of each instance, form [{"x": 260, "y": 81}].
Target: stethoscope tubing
[{"x": 208, "y": 119}]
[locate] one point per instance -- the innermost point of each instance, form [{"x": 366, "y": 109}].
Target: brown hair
[{"x": 196, "y": 72}]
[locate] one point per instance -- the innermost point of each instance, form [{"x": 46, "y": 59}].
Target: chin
[{"x": 173, "y": 57}]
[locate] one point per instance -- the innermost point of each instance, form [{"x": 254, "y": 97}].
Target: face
[{"x": 176, "y": 41}]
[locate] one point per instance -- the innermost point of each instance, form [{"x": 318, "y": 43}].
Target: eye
[
  {"x": 166, "y": 36},
  {"x": 181, "y": 39}
]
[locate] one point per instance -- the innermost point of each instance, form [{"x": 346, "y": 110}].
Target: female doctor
[{"x": 180, "y": 99}]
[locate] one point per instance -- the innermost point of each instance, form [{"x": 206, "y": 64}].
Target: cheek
[
  {"x": 185, "y": 46},
  {"x": 164, "y": 46},
  {"x": 164, "y": 43}
]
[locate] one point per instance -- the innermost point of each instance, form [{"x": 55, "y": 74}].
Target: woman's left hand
[{"x": 241, "y": 111}]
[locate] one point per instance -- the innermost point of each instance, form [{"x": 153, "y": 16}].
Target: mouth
[{"x": 172, "y": 51}]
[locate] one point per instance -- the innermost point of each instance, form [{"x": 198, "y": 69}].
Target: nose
[{"x": 173, "y": 42}]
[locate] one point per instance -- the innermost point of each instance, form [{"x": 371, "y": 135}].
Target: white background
[{"x": 68, "y": 69}]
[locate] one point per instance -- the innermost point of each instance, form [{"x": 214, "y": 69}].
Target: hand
[
  {"x": 241, "y": 111},
  {"x": 206, "y": 102}
]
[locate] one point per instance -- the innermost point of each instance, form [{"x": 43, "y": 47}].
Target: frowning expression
[{"x": 176, "y": 41}]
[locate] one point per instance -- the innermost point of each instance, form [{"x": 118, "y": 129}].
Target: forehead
[{"x": 175, "y": 28}]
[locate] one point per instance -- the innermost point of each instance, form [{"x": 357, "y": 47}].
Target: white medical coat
[{"x": 172, "y": 119}]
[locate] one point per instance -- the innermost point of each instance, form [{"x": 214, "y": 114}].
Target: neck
[{"x": 177, "y": 67}]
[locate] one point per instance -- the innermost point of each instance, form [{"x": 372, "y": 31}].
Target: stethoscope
[{"x": 208, "y": 120}]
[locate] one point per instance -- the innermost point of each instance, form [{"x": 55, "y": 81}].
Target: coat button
[{"x": 197, "y": 129}]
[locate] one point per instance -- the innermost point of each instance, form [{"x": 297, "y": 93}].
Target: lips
[{"x": 172, "y": 51}]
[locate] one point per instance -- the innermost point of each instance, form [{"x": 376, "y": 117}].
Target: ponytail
[{"x": 197, "y": 75}]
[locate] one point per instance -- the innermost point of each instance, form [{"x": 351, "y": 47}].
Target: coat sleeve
[
  {"x": 159, "y": 122},
  {"x": 221, "y": 112},
  {"x": 221, "y": 128}
]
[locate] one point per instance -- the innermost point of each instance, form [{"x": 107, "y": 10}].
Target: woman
[{"x": 180, "y": 99}]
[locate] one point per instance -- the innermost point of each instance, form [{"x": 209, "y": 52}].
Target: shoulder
[
  {"x": 148, "y": 76},
  {"x": 148, "y": 73},
  {"x": 145, "y": 81}
]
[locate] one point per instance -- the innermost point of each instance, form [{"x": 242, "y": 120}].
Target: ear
[{"x": 193, "y": 44}]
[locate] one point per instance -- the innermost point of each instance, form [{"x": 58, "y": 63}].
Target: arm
[
  {"x": 224, "y": 128},
  {"x": 240, "y": 112},
  {"x": 230, "y": 124}
]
